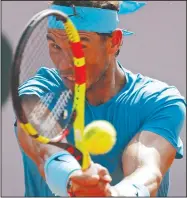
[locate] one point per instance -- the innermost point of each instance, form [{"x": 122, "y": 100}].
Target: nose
[{"x": 67, "y": 60}]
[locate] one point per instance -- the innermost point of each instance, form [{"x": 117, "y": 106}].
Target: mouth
[
  {"x": 67, "y": 75},
  {"x": 70, "y": 78}
]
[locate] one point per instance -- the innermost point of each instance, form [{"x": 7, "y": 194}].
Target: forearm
[
  {"x": 148, "y": 176},
  {"x": 36, "y": 151}
]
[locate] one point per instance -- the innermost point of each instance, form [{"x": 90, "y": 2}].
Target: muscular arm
[
  {"x": 36, "y": 151},
  {"x": 146, "y": 159},
  {"x": 151, "y": 152}
]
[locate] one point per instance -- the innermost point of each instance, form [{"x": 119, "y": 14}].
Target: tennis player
[{"x": 148, "y": 114}]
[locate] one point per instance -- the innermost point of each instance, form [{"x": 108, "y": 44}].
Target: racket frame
[{"x": 79, "y": 151}]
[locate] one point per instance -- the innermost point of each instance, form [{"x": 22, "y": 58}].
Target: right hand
[{"x": 86, "y": 184}]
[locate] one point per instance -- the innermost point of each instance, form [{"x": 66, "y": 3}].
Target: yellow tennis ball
[{"x": 99, "y": 137}]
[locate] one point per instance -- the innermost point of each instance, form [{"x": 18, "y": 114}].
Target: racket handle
[
  {"x": 91, "y": 170},
  {"x": 87, "y": 164}
]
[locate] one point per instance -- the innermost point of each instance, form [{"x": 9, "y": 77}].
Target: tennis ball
[{"x": 99, "y": 137}]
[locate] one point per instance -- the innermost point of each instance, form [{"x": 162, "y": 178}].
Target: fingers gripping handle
[
  {"x": 91, "y": 170},
  {"x": 58, "y": 170}
]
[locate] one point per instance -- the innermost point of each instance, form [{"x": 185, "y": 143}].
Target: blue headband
[{"x": 95, "y": 19}]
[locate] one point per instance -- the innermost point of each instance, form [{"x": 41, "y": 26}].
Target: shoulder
[
  {"x": 45, "y": 80},
  {"x": 148, "y": 90},
  {"x": 160, "y": 108},
  {"x": 49, "y": 73},
  {"x": 46, "y": 76},
  {"x": 152, "y": 100}
]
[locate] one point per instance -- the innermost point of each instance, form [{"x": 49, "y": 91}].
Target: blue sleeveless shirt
[{"x": 142, "y": 104}]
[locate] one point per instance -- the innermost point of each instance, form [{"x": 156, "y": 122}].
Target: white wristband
[{"x": 129, "y": 189}]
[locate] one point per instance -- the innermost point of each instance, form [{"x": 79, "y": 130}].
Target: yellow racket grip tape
[
  {"x": 71, "y": 31},
  {"x": 79, "y": 62}
]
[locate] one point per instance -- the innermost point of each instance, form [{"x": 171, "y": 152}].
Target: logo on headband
[{"x": 74, "y": 12}]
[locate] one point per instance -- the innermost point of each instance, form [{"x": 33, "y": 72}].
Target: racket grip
[{"x": 91, "y": 170}]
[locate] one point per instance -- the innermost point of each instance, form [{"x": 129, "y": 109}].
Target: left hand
[{"x": 94, "y": 185}]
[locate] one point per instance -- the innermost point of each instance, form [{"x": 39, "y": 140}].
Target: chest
[{"x": 126, "y": 122}]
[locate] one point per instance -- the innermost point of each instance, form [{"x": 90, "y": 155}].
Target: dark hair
[{"x": 111, "y": 5}]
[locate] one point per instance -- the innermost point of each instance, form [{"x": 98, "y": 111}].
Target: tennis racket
[{"x": 48, "y": 117}]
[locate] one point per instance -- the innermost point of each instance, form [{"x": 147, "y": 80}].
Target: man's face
[{"x": 95, "y": 51}]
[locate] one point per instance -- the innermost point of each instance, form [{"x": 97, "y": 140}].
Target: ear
[{"x": 116, "y": 41}]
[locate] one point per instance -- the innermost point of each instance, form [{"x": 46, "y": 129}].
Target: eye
[
  {"x": 55, "y": 46},
  {"x": 84, "y": 46}
]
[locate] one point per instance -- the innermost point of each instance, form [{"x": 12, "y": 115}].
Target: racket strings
[
  {"x": 40, "y": 108},
  {"x": 59, "y": 111},
  {"x": 51, "y": 116},
  {"x": 45, "y": 120},
  {"x": 33, "y": 51}
]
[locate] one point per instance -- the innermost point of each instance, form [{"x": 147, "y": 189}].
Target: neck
[{"x": 109, "y": 85}]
